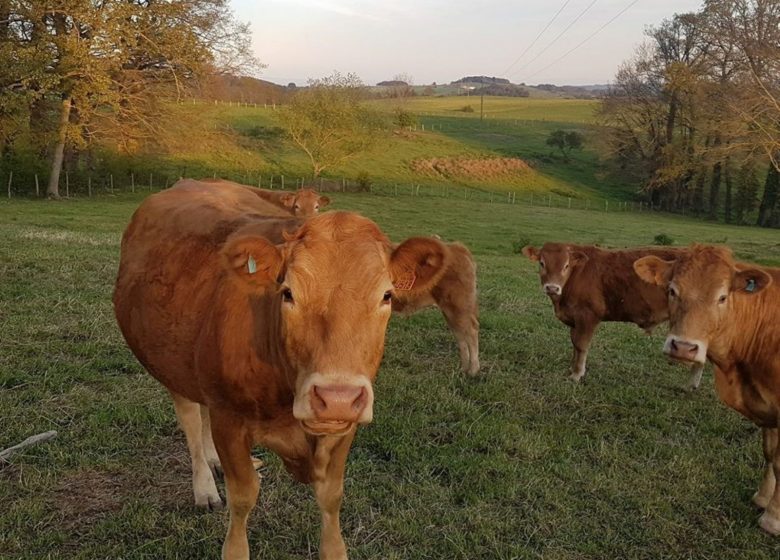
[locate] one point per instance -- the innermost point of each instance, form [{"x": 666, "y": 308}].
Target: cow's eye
[
  {"x": 541, "y": 264},
  {"x": 387, "y": 297},
  {"x": 287, "y": 295},
  {"x": 672, "y": 291},
  {"x": 723, "y": 298},
  {"x": 316, "y": 206},
  {"x": 566, "y": 267},
  {"x": 297, "y": 206}
]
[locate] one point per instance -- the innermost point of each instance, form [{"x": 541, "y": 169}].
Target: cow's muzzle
[
  {"x": 328, "y": 406},
  {"x": 552, "y": 289},
  {"x": 685, "y": 350}
]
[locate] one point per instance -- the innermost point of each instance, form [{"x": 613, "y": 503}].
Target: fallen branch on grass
[{"x": 5, "y": 454}]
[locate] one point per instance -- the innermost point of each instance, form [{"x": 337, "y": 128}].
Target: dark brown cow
[
  {"x": 263, "y": 336},
  {"x": 455, "y": 294},
  {"x": 588, "y": 285},
  {"x": 729, "y": 313},
  {"x": 302, "y": 203}
]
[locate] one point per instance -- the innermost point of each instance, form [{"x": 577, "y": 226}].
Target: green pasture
[
  {"x": 518, "y": 463},
  {"x": 247, "y": 144}
]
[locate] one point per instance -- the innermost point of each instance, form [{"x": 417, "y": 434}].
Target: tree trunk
[
  {"x": 729, "y": 184},
  {"x": 769, "y": 199},
  {"x": 53, "y": 190}
]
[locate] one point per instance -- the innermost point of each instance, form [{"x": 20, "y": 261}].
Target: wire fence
[{"x": 106, "y": 184}]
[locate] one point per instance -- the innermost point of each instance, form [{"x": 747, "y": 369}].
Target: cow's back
[
  {"x": 610, "y": 289},
  {"x": 170, "y": 269}
]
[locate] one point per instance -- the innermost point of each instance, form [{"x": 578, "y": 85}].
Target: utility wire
[
  {"x": 528, "y": 48},
  {"x": 551, "y": 43},
  {"x": 585, "y": 40}
]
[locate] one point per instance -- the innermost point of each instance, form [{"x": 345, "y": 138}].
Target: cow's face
[
  {"x": 333, "y": 282},
  {"x": 556, "y": 263},
  {"x": 305, "y": 202},
  {"x": 701, "y": 286}
]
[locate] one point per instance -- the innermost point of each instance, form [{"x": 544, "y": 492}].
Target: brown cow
[
  {"x": 729, "y": 313},
  {"x": 263, "y": 336},
  {"x": 455, "y": 294},
  {"x": 302, "y": 203},
  {"x": 588, "y": 285}
]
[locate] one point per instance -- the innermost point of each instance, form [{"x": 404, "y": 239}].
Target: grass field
[{"x": 519, "y": 463}]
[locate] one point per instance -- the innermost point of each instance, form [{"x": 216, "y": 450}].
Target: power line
[
  {"x": 528, "y": 48},
  {"x": 551, "y": 43},
  {"x": 585, "y": 40}
]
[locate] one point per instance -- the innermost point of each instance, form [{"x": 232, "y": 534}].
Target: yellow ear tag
[
  {"x": 251, "y": 265},
  {"x": 406, "y": 281}
]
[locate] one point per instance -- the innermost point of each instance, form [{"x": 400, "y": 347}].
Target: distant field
[{"x": 520, "y": 463}]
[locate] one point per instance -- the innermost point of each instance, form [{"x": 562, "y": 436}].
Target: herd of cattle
[{"x": 266, "y": 321}]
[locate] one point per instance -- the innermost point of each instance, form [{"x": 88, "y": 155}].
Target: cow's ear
[
  {"x": 287, "y": 200},
  {"x": 530, "y": 252},
  {"x": 324, "y": 201},
  {"x": 418, "y": 264},
  {"x": 577, "y": 257},
  {"x": 751, "y": 280},
  {"x": 653, "y": 270},
  {"x": 254, "y": 260}
]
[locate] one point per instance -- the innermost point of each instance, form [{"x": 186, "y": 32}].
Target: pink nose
[
  {"x": 683, "y": 350},
  {"x": 338, "y": 403},
  {"x": 552, "y": 289}
]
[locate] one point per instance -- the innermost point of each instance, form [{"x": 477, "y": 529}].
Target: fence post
[
  {"x": 395, "y": 190},
  {"x": 37, "y": 189},
  {"x": 150, "y": 181},
  {"x": 606, "y": 206},
  {"x": 569, "y": 202},
  {"x": 272, "y": 182},
  {"x": 344, "y": 184},
  {"x": 282, "y": 182},
  {"x": 418, "y": 191},
  {"x": 111, "y": 179},
  {"x": 132, "y": 176},
  {"x": 10, "y": 180}
]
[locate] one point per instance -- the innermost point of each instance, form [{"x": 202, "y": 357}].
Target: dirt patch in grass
[
  {"x": 84, "y": 496},
  {"x": 471, "y": 168}
]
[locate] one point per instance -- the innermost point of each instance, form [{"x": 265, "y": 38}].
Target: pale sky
[{"x": 443, "y": 40}]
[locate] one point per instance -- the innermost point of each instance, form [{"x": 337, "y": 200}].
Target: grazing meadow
[{"x": 517, "y": 463}]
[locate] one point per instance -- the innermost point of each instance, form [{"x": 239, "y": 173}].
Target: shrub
[
  {"x": 467, "y": 109},
  {"x": 663, "y": 239},
  {"x": 405, "y": 119}
]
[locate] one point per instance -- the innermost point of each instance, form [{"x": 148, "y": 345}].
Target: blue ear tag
[
  {"x": 751, "y": 286},
  {"x": 251, "y": 265}
]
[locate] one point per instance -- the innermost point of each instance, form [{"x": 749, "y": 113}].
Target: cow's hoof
[
  {"x": 760, "y": 500},
  {"x": 691, "y": 388},
  {"x": 577, "y": 376},
  {"x": 210, "y": 502},
  {"x": 769, "y": 523}
]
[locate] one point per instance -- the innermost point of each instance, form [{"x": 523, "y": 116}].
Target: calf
[
  {"x": 262, "y": 336},
  {"x": 302, "y": 203},
  {"x": 729, "y": 313},
  {"x": 588, "y": 285},
  {"x": 455, "y": 294}
]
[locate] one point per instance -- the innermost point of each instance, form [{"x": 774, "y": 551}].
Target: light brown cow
[
  {"x": 455, "y": 294},
  {"x": 302, "y": 203},
  {"x": 263, "y": 336},
  {"x": 588, "y": 285},
  {"x": 729, "y": 313}
]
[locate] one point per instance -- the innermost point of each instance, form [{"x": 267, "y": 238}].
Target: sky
[{"x": 443, "y": 40}]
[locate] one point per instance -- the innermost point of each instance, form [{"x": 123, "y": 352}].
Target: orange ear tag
[{"x": 406, "y": 281}]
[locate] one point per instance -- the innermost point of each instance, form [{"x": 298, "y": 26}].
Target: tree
[
  {"x": 565, "y": 141},
  {"x": 329, "y": 121},
  {"x": 747, "y": 191},
  {"x": 87, "y": 69}
]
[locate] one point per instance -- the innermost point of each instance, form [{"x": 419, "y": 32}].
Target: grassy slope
[
  {"x": 518, "y": 464},
  {"x": 513, "y": 128}
]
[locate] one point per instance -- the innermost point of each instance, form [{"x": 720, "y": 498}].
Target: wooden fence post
[
  {"x": 111, "y": 179},
  {"x": 89, "y": 186},
  {"x": 272, "y": 182},
  {"x": 37, "y": 188},
  {"x": 10, "y": 180},
  {"x": 282, "y": 182},
  {"x": 132, "y": 176},
  {"x": 150, "y": 181}
]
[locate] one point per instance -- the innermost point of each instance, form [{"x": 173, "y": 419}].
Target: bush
[
  {"x": 467, "y": 109},
  {"x": 405, "y": 119},
  {"x": 663, "y": 239},
  {"x": 363, "y": 181}
]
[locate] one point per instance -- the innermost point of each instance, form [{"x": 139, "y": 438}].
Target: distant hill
[
  {"x": 481, "y": 80},
  {"x": 502, "y": 90},
  {"x": 392, "y": 83},
  {"x": 578, "y": 92},
  {"x": 242, "y": 89}
]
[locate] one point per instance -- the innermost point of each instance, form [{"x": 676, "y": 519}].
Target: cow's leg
[
  {"x": 770, "y": 519},
  {"x": 696, "y": 373},
  {"x": 208, "y": 441},
  {"x": 465, "y": 326},
  {"x": 581, "y": 335},
  {"x": 767, "y": 487},
  {"x": 203, "y": 485},
  {"x": 330, "y": 457},
  {"x": 233, "y": 441}
]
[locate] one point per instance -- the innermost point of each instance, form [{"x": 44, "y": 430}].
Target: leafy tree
[
  {"x": 565, "y": 141},
  {"x": 80, "y": 70},
  {"x": 329, "y": 121},
  {"x": 747, "y": 191}
]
